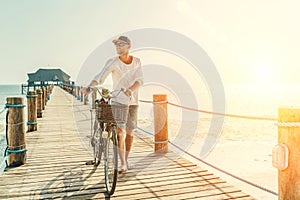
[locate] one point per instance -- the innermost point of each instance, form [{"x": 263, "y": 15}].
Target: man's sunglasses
[{"x": 120, "y": 44}]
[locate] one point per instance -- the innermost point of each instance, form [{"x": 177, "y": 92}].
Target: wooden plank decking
[{"x": 56, "y": 167}]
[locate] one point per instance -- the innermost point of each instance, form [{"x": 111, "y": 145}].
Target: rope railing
[
  {"x": 7, "y": 152},
  {"x": 161, "y": 102},
  {"x": 3, "y": 163},
  {"x": 16, "y": 106},
  {"x": 3, "y": 110},
  {"x": 213, "y": 113},
  {"x": 201, "y": 160}
]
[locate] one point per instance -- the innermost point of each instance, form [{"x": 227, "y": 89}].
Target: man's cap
[{"x": 122, "y": 39}]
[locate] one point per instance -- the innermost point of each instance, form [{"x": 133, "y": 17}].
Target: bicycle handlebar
[{"x": 105, "y": 93}]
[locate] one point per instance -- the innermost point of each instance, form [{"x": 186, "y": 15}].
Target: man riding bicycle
[{"x": 126, "y": 73}]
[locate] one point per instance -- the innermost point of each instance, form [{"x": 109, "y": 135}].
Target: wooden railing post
[
  {"x": 51, "y": 88},
  {"x": 94, "y": 97},
  {"x": 85, "y": 99},
  {"x": 39, "y": 109},
  {"x": 43, "y": 98},
  {"x": 48, "y": 93},
  {"x": 31, "y": 111},
  {"x": 78, "y": 93},
  {"x": 16, "y": 131},
  {"x": 74, "y": 90},
  {"x": 81, "y": 94},
  {"x": 45, "y": 95},
  {"x": 160, "y": 123},
  {"x": 289, "y": 135}
]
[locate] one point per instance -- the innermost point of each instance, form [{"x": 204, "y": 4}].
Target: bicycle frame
[{"x": 104, "y": 137}]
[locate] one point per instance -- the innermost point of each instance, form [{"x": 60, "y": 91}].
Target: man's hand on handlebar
[
  {"x": 128, "y": 92},
  {"x": 86, "y": 90}
]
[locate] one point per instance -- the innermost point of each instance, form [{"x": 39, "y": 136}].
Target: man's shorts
[{"x": 132, "y": 116}]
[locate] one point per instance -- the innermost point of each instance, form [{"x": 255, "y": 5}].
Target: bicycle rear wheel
[{"x": 111, "y": 162}]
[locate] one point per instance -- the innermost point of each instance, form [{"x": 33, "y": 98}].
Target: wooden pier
[{"x": 56, "y": 168}]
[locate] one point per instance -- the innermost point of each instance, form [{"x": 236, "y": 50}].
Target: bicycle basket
[{"x": 112, "y": 113}]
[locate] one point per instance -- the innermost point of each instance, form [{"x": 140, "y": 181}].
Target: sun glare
[{"x": 265, "y": 74}]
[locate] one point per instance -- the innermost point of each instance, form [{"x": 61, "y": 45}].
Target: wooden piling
[
  {"x": 48, "y": 93},
  {"x": 94, "y": 97},
  {"x": 81, "y": 94},
  {"x": 74, "y": 90},
  {"x": 160, "y": 123},
  {"x": 39, "y": 109},
  {"x": 85, "y": 99},
  {"x": 78, "y": 93},
  {"x": 43, "y": 98},
  {"x": 31, "y": 111},
  {"x": 289, "y": 178},
  {"x": 16, "y": 131}
]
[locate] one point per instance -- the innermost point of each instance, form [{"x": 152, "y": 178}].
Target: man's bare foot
[
  {"x": 129, "y": 165},
  {"x": 123, "y": 169}
]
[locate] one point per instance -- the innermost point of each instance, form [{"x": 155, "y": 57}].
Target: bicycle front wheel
[
  {"x": 111, "y": 162},
  {"x": 97, "y": 142}
]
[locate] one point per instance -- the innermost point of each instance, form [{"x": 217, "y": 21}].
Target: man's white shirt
[{"x": 123, "y": 76}]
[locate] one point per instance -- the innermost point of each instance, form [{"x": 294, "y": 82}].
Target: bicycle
[{"x": 104, "y": 137}]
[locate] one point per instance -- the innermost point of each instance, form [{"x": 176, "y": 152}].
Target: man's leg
[
  {"x": 121, "y": 144},
  {"x": 130, "y": 126},
  {"x": 121, "y": 132},
  {"x": 128, "y": 143}
]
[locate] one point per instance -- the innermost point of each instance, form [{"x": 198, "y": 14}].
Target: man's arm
[
  {"x": 86, "y": 90},
  {"x": 132, "y": 88}
]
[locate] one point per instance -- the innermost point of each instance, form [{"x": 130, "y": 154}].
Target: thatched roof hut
[{"x": 48, "y": 75}]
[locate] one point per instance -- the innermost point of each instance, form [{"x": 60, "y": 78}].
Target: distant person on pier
[{"x": 126, "y": 73}]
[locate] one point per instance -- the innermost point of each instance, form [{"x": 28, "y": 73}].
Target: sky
[{"x": 249, "y": 41}]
